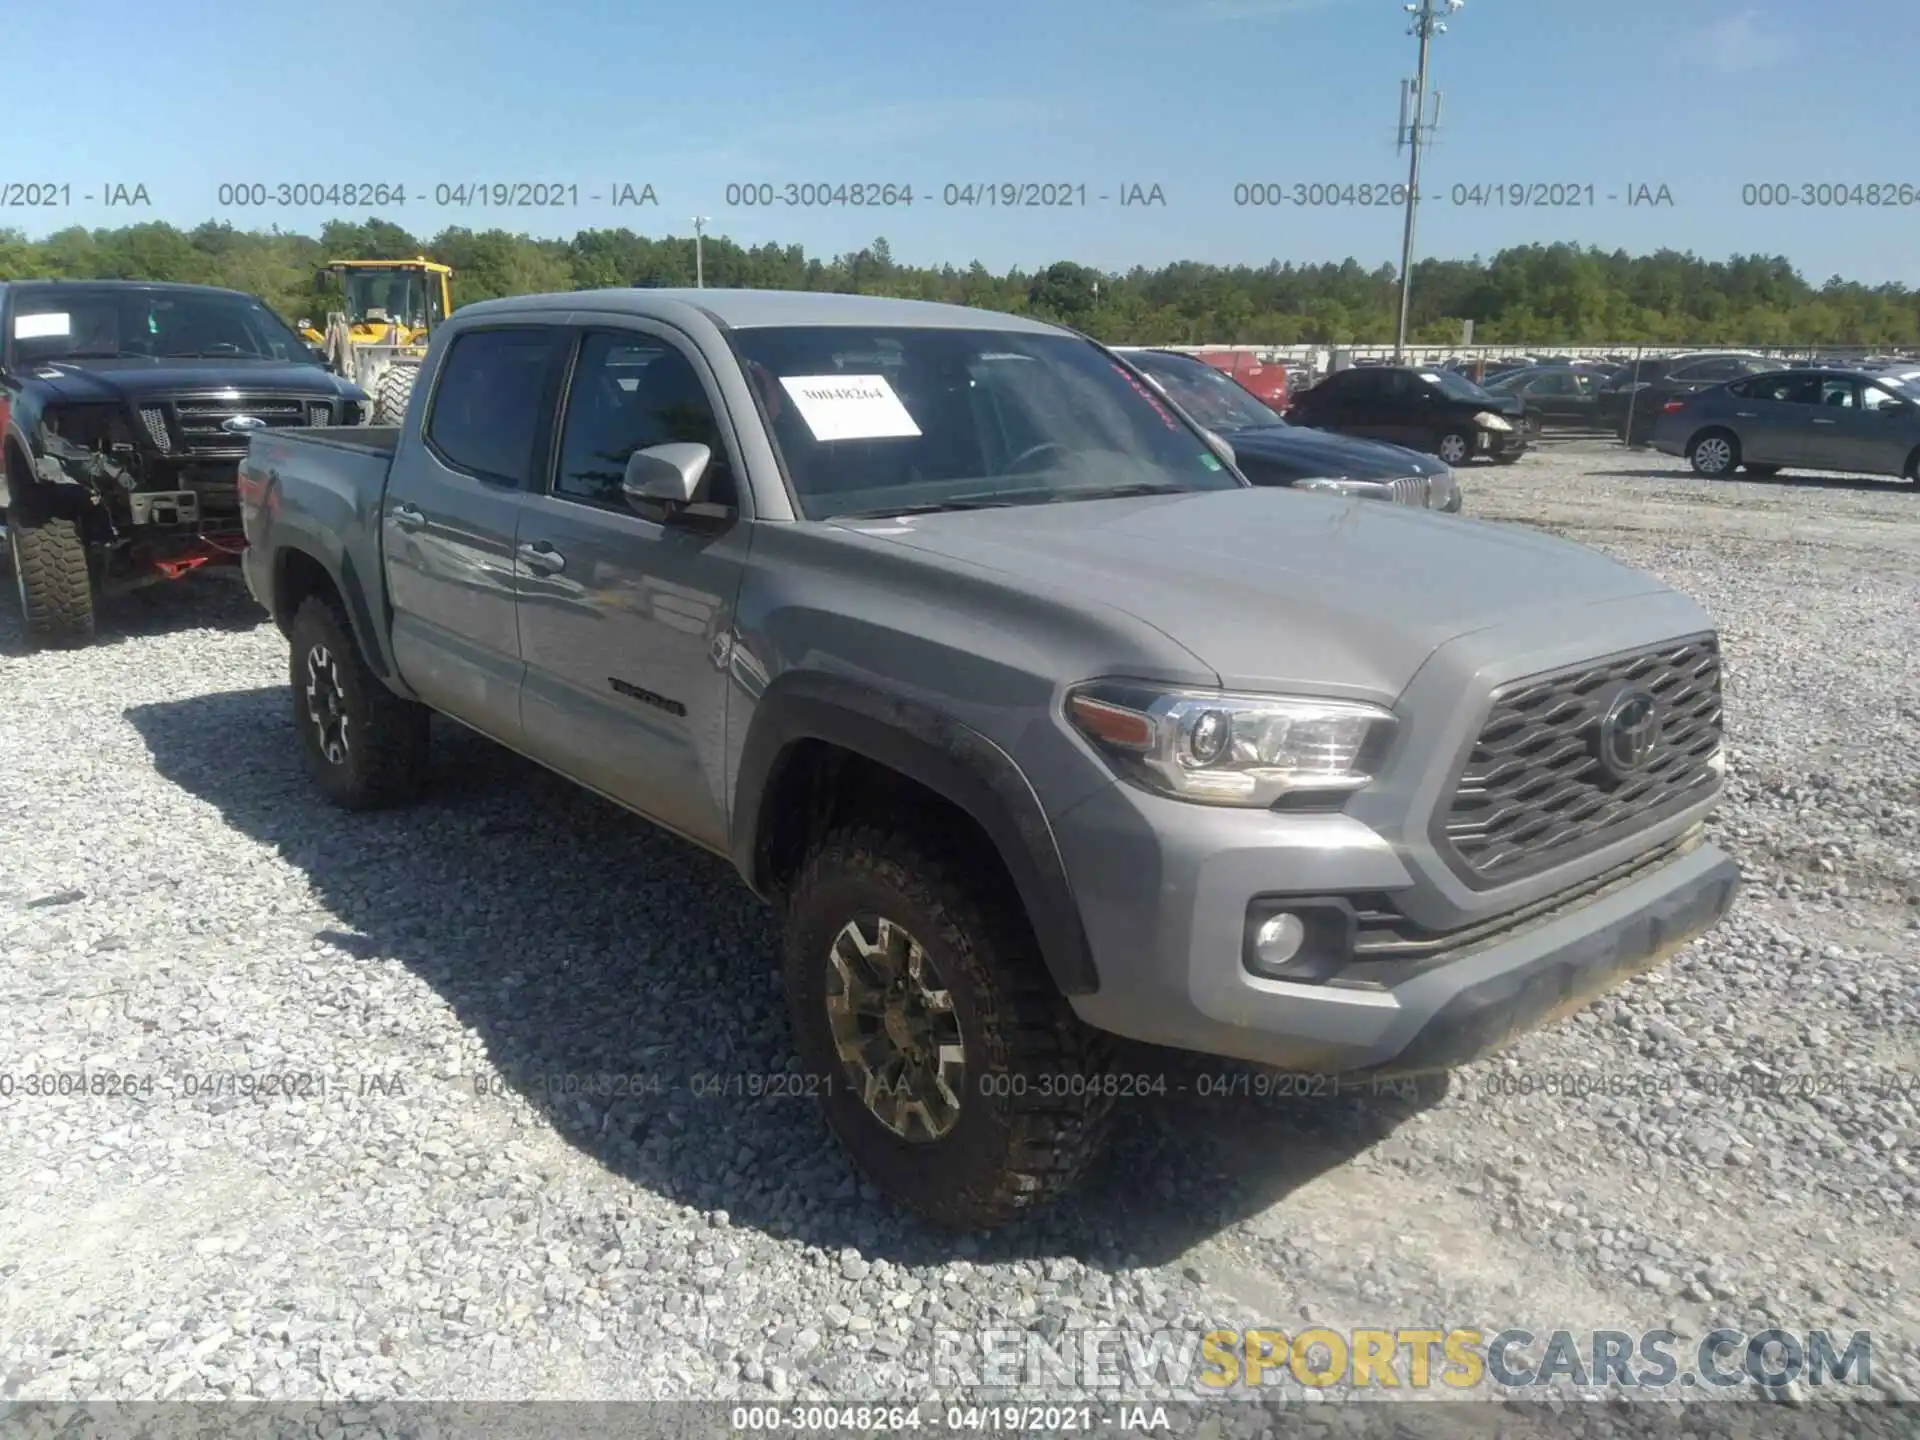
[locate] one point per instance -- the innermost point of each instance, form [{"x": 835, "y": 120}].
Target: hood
[
  {"x": 1300, "y": 453},
  {"x": 110, "y": 380},
  {"x": 1274, "y": 589}
]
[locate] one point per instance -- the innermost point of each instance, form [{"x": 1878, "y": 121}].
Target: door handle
[
  {"x": 1745, "y": 414},
  {"x": 541, "y": 556},
  {"x": 1819, "y": 420},
  {"x": 409, "y": 517}
]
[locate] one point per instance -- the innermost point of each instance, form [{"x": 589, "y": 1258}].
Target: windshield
[
  {"x": 1455, "y": 386},
  {"x": 59, "y": 322},
  {"x": 1208, "y": 395},
  {"x": 877, "y": 421},
  {"x": 402, "y": 294}
]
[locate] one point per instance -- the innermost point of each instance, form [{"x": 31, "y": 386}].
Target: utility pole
[
  {"x": 1415, "y": 126},
  {"x": 699, "y": 252}
]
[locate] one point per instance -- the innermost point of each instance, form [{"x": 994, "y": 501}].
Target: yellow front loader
[{"x": 379, "y": 339}]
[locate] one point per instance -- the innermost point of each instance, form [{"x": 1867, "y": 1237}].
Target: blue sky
[{"x": 1195, "y": 96}]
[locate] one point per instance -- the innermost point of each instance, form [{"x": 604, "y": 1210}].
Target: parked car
[
  {"x": 1864, "y": 421},
  {"x": 1269, "y": 383},
  {"x": 1269, "y": 451},
  {"x": 1639, "y": 389},
  {"x": 1554, "y": 396},
  {"x": 1036, "y": 720},
  {"x": 1437, "y": 411},
  {"x": 125, "y": 408}
]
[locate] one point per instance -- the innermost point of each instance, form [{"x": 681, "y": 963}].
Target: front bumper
[
  {"x": 1501, "y": 442},
  {"x": 1165, "y": 903}
]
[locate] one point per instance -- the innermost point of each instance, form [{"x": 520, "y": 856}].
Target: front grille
[
  {"x": 1409, "y": 490},
  {"x": 1535, "y": 792},
  {"x": 198, "y": 422}
]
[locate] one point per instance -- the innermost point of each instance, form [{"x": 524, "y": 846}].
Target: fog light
[{"x": 1279, "y": 939}]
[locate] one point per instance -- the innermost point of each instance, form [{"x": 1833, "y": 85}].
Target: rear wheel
[
  {"x": 955, "y": 1075},
  {"x": 51, "y": 577},
  {"x": 1714, "y": 453},
  {"x": 1454, "y": 446},
  {"x": 1913, "y": 468},
  {"x": 365, "y": 746}
]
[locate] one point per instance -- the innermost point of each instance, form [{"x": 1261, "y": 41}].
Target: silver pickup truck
[{"x": 1040, "y": 724}]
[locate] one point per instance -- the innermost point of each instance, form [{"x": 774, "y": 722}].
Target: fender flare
[
  {"x": 346, "y": 584},
  {"x": 953, "y": 760}
]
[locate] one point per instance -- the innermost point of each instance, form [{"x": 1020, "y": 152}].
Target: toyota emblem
[{"x": 1628, "y": 733}]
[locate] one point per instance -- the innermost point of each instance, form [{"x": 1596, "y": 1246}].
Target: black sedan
[
  {"x": 1862, "y": 421},
  {"x": 1269, "y": 451},
  {"x": 1438, "y": 411},
  {"x": 1562, "y": 397}
]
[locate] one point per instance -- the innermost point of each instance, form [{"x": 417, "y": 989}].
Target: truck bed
[{"x": 368, "y": 439}]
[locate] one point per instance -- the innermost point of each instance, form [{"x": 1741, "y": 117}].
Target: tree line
[{"x": 1533, "y": 294}]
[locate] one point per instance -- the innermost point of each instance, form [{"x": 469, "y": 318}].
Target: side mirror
[
  {"x": 1220, "y": 447},
  {"x": 665, "y": 474}
]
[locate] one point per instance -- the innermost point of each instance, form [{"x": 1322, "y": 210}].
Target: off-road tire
[
  {"x": 1034, "y": 1110},
  {"x": 385, "y": 757},
  {"x": 53, "y": 579},
  {"x": 395, "y": 390},
  {"x": 1465, "y": 437}
]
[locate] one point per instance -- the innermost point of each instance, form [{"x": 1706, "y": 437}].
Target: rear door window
[{"x": 491, "y": 399}]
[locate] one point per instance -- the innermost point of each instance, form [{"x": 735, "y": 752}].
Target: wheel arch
[
  {"x": 804, "y": 722},
  {"x": 298, "y": 573}
]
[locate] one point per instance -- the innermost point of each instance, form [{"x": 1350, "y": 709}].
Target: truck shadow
[
  {"x": 199, "y": 602},
  {"x": 584, "y": 946}
]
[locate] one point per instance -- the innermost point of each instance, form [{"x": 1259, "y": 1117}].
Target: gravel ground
[{"x": 402, "y": 1208}]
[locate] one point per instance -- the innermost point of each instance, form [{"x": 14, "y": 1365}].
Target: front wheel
[
  {"x": 365, "y": 746},
  {"x": 949, "y": 1067},
  {"x": 1714, "y": 454},
  {"x": 1454, "y": 446},
  {"x": 52, "y": 578}
]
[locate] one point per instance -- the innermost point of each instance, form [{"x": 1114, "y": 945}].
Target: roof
[
  {"x": 169, "y": 285},
  {"x": 753, "y": 309}
]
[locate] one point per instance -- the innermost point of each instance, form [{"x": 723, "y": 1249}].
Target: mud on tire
[
  {"x": 52, "y": 578},
  {"x": 1032, "y": 1111},
  {"x": 365, "y": 747}
]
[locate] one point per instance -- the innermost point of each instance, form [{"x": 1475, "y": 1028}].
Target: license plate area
[{"x": 165, "y": 507}]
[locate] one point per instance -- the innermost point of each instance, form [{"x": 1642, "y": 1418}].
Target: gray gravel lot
[{"x": 404, "y": 1207}]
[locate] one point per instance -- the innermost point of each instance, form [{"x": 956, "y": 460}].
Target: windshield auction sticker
[
  {"x": 849, "y": 407},
  {"x": 35, "y": 327}
]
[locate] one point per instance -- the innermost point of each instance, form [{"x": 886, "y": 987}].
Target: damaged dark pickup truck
[{"x": 125, "y": 408}]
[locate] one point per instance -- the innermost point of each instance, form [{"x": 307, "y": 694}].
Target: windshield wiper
[
  {"x": 926, "y": 507},
  {"x": 1120, "y": 492}
]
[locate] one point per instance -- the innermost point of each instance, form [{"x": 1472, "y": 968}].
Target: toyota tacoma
[{"x": 1038, "y": 723}]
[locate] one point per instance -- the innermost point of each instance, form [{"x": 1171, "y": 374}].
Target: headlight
[
  {"x": 1323, "y": 483},
  {"x": 1487, "y": 420},
  {"x": 1217, "y": 748}
]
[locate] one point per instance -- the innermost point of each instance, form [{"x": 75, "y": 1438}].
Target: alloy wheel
[
  {"x": 326, "y": 704},
  {"x": 1713, "y": 456},
  {"x": 1453, "y": 449},
  {"x": 894, "y": 1029}
]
